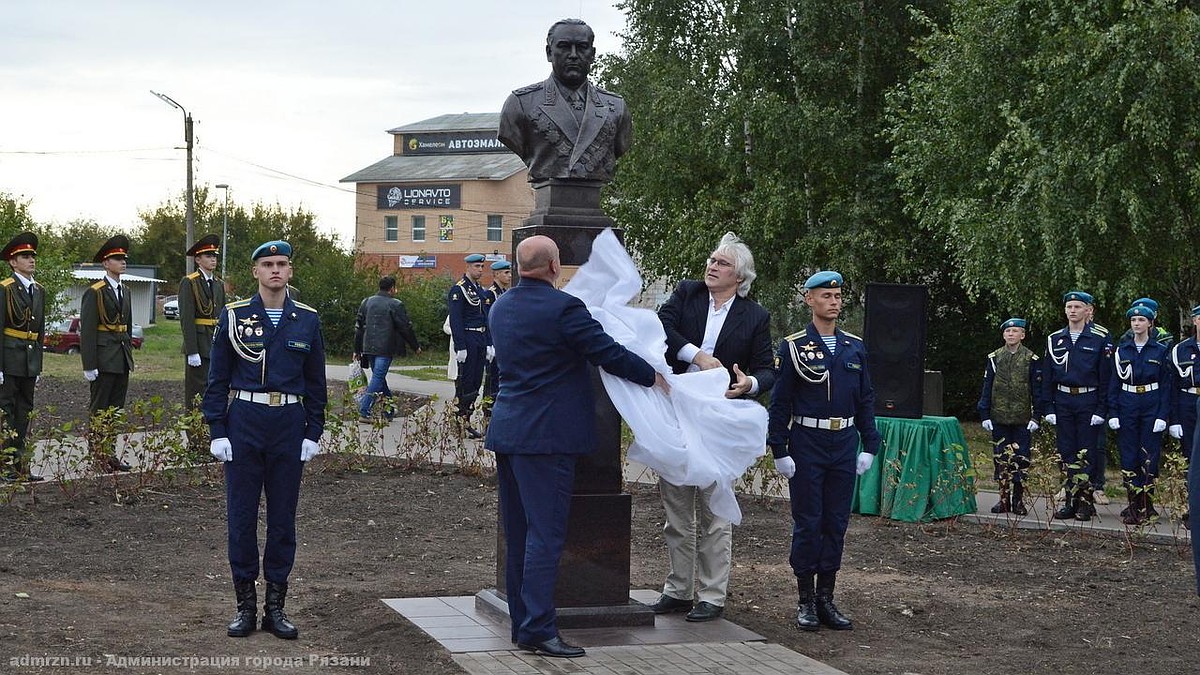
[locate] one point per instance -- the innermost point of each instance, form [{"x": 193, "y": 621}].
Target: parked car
[
  {"x": 171, "y": 309},
  {"x": 63, "y": 337}
]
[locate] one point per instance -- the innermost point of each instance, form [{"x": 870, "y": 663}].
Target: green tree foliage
[
  {"x": 54, "y": 268},
  {"x": 324, "y": 275},
  {"x": 1053, "y": 144}
]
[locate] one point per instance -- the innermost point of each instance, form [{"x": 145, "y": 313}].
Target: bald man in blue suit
[{"x": 542, "y": 421}]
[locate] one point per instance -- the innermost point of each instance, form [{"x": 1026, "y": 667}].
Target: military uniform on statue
[
  {"x": 201, "y": 298},
  {"x": 270, "y": 355},
  {"x": 472, "y": 342},
  {"x": 23, "y": 320},
  {"x": 822, "y": 405},
  {"x": 501, "y": 280},
  {"x": 106, "y": 347}
]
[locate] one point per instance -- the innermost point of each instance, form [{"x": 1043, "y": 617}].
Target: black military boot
[
  {"x": 247, "y": 610},
  {"x": 1132, "y": 514},
  {"x": 1004, "y": 505},
  {"x": 1150, "y": 512},
  {"x": 806, "y": 612},
  {"x": 274, "y": 620},
  {"x": 827, "y": 612},
  {"x": 1067, "y": 510},
  {"x": 1018, "y": 500},
  {"x": 1084, "y": 508}
]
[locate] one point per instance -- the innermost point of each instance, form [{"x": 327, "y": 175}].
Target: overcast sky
[{"x": 287, "y": 98}]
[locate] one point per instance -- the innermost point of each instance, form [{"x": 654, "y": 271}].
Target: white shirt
[
  {"x": 712, "y": 330},
  {"x": 114, "y": 284},
  {"x": 27, "y": 283}
]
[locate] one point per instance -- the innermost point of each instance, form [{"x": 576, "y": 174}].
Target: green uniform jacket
[
  {"x": 23, "y": 322},
  {"x": 199, "y": 309},
  {"x": 106, "y": 330}
]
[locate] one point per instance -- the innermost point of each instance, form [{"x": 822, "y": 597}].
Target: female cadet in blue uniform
[
  {"x": 269, "y": 353},
  {"x": 1139, "y": 404},
  {"x": 1075, "y": 375},
  {"x": 1009, "y": 403},
  {"x": 822, "y": 403}
]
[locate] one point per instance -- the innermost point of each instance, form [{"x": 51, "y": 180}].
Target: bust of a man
[{"x": 566, "y": 128}]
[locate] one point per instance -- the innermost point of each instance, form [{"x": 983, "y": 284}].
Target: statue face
[{"x": 570, "y": 52}]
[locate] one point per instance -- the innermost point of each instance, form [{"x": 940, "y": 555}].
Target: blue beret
[
  {"x": 474, "y": 258},
  {"x": 1148, "y": 302},
  {"x": 1196, "y": 310},
  {"x": 1079, "y": 296},
  {"x": 824, "y": 280},
  {"x": 501, "y": 265},
  {"x": 1141, "y": 310},
  {"x": 277, "y": 247},
  {"x": 1013, "y": 323}
]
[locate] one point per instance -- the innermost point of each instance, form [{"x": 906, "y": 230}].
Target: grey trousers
[{"x": 699, "y": 545}]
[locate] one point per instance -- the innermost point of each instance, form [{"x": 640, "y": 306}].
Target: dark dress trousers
[{"x": 543, "y": 419}]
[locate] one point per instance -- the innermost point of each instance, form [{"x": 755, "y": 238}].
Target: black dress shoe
[
  {"x": 705, "y": 611},
  {"x": 471, "y": 433},
  {"x": 115, "y": 464},
  {"x": 33, "y": 478},
  {"x": 666, "y": 605},
  {"x": 553, "y": 647}
]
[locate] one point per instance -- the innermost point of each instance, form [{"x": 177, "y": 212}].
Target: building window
[
  {"x": 495, "y": 228},
  {"x": 418, "y": 228},
  {"x": 391, "y": 229}
]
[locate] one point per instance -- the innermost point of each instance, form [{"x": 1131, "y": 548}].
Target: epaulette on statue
[{"x": 528, "y": 89}]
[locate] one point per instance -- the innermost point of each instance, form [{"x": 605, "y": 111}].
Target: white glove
[
  {"x": 91, "y": 375},
  {"x": 194, "y": 360},
  {"x": 221, "y": 449},
  {"x": 308, "y": 450},
  {"x": 986, "y": 424},
  {"x": 1, "y": 378},
  {"x": 1159, "y": 427},
  {"x": 460, "y": 356},
  {"x": 863, "y": 465},
  {"x": 1114, "y": 424},
  {"x": 1032, "y": 426},
  {"x": 786, "y": 466},
  {"x": 1098, "y": 420},
  {"x": 1176, "y": 430},
  {"x": 1051, "y": 419},
  {"x": 491, "y": 353}
]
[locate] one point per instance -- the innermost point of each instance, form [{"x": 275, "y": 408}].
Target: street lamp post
[
  {"x": 191, "y": 202},
  {"x": 224, "y": 228}
]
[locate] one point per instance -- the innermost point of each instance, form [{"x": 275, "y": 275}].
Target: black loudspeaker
[{"x": 895, "y": 339}]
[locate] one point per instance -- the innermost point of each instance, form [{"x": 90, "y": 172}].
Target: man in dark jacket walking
[{"x": 380, "y": 332}]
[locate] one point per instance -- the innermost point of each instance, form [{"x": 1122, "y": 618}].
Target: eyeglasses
[{"x": 720, "y": 263}]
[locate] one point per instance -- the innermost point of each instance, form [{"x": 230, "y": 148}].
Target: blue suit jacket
[{"x": 544, "y": 340}]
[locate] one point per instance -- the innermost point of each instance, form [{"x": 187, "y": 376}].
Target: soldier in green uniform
[
  {"x": 201, "y": 297},
  {"x": 106, "y": 346},
  {"x": 1008, "y": 407},
  {"x": 23, "y": 321}
]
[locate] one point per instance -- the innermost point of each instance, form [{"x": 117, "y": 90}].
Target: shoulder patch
[
  {"x": 529, "y": 88},
  {"x": 795, "y": 336},
  {"x": 193, "y": 276},
  {"x": 1099, "y": 330},
  {"x": 851, "y": 336},
  {"x": 237, "y": 304},
  {"x": 7, "y": 282},
  {"x": 301, "y": 305},
  {"x": 997, "y": 352},
  {"x": 99, "y": 285},
  {"x": 607, "y": 92}
]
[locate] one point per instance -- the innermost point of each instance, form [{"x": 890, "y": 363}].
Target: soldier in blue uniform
[
  {"x": 472, "y": 342},
  {"x": 1185, "y": 393},
  {"x": 501, "y": 280},
  {"x": 1076, "y": 371},
  {"x": 1009, "y": 404},
  {"x": 1139, "y": 405},
  {"x": 821, "y": 405},
  {"x": 23, "y": 320},
  {"x": 1157, "y": 332},
  {"x": 265, "y": 407}
]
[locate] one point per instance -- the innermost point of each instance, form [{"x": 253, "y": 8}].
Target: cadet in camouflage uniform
[{"x": 1009, "y": 404}]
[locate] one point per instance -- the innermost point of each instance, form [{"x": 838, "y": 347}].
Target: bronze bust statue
[{"x": 565, "y": 128}]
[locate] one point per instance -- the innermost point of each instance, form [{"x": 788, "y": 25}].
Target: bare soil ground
[{"x": 90, "y": 576}]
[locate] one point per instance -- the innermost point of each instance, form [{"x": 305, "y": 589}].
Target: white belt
[
  {"x": 1190, "y": 390},
  {"x": 480, "y": 329},
  {"x": 1075, "y": 390},
  {"x": 268, "y": 397},
  {"x": 1140, "y": 388},
  {"x": 833, "y": 423}
]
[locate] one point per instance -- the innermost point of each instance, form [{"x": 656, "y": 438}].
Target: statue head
[{"x": 570, "y": 51}]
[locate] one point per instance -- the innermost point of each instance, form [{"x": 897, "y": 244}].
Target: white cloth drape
[{"x": 695, "y": 436}]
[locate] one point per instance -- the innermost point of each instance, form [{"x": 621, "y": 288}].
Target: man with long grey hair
[{"x": 710, "y": 324}]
